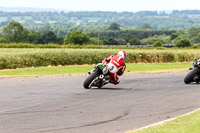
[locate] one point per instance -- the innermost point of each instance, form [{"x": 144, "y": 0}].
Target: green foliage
[
  {"x": 2, "y": 39},
  {"x": 76, "y": 37},
  {"x": 130, "y": 33},
  {"x": 15, "y": 32},
  {"x": 146, "y": 26},
  {"x": 157, "y": 44},
  {"x": 195, "y": 46},
  {"x": 60, "y": 40},
  {"x": 121, "y": 41},
  {"x": 20, "y": 58},
  {"x": 49, "y": 37},
  {"x": 183, "y": 43},
  {"x": 180, "y": 34},
  {"x": 194, "y": 34},
  {"x": 35, "y": 38},
  {"x": 114, "y": 26},
  {"x": 150, "y": 40},
  {"x": 134, "y": 41},
  {"x": 47, "y": 33},
  {"x": 173, "y": 36},
  {"x": 157, "y": 20},
  {"x": 95, "y": 40},
  {"x": 110, "y": 41}
]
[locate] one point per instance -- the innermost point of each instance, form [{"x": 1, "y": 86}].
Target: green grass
[
  {"x": 83, "y": 69},
  {"x": 186, "y": 124},
  {"x": 137, "y": 67}
]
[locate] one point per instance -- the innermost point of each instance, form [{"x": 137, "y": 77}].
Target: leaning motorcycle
[
  {"x": 98, "y": 77},
  {"x": 194, "y": 73}
]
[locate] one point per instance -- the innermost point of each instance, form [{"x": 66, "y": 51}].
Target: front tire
[
  {"x": 190, "y": 76},
  {"x": 87, "y": 83}
]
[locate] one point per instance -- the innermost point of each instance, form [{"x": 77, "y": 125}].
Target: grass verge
[
  {"x": 184, "y": 124},
  {"x": 83, "y": 69}
]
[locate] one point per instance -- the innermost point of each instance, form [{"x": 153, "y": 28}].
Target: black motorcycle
[
  {"x": 98, "y": 77},
  {"x": 194, "y": 73}
]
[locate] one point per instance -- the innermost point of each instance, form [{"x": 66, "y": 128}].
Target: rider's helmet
[{"x": 122, "y": 54}]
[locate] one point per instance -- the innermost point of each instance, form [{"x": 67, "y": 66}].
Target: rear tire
[
  {"x": 89, "y": 79},
  {"x": 190, "y": 76}
]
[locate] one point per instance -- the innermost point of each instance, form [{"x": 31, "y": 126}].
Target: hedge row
[
  {"x": 27, "y": 45},
  {"x": 67, "y": 58}
]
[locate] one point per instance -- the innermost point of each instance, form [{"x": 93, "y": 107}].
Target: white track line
[{"x": 161, "y": 122}]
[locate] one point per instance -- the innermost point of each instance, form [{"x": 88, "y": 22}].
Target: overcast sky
[{"x": 105, "y": 5}]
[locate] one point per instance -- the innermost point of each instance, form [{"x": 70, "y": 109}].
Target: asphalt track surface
[{"x": 62, "y": 105}]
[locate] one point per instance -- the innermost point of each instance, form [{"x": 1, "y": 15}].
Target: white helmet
[{"x": 122, "y": 54}]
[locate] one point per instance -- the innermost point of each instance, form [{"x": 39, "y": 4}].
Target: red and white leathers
[{"x": 116, "y": 65}]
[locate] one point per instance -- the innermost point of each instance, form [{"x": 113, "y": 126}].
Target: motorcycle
[
  {"x": 98, "y": 77},
  {"x": 194, "y": 73}
]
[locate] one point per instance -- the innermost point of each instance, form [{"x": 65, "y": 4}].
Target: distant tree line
[
  {"x": 157, "y": 19},
  {"x": 114, "y": 34},
  {"x": 15, "y": 32}
]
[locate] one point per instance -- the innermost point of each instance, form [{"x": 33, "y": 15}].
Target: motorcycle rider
[{"x": 116, "y": 65}]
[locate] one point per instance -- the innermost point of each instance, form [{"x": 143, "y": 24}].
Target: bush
[
  {"x": 183, "y": 43},
  {"x": 157, "y": 44},
  {"x": 20, "y": 58},
  {"x": 195, "y": 46},
  {"x": 76, "y": 37}
]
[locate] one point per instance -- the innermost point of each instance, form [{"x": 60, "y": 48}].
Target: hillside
[{"x": 156, "y": 19}]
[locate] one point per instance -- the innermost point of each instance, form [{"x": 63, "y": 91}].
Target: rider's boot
[{"x": 114, "y": 82}]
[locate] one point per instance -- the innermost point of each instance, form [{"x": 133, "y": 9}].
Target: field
[
  {"x": 11, "y": 58},
  {"x": 185, "y": 124}
]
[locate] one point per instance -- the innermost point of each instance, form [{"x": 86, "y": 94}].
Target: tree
[
  {"x": 114, "y": 26},
  {"x": 35, "y": 38},
  {"x": 196, "y": 38},
  {"x": 127, "y": 36},
  {"x": 2, "y": 39},
  {"x": 150, "y": 40},
  {"x": 95, "y": 40},
  {"x": 15, "y": 32},
  {"x": 60, "y": 40},
  {"x": 49, "y": 37},
  {"x": 122, "y": 42},
  {"x": 76, "y": 37},
  {"x": 146, "y": 26},
  {"x": 183, "y": 43},
  {"x": 110, "y": 41},
  {"x": 194, "y": 34},
  {"x": 173, "y": 36},
  {"x": 134, "y": 41},
  {"x": 157, "y": 44}
]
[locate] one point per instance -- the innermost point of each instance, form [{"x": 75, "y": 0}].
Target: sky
[{"x": 105, "y": 5}]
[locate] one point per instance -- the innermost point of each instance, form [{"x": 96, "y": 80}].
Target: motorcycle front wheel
[
  {"x": 190, "y": 76},
  {"x": 90, "y": 79}
]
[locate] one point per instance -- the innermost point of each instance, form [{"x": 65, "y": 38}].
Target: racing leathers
[{"x": 116, "y": 65}]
